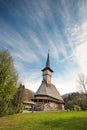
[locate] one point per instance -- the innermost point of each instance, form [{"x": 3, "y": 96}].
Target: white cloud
[
  {"x": 20, "y": 47},
  {"x": 33, "y": 81},
  {"x": 81, "y": 57},
  {"x": 67, "y": 82},
  {"x": 64, "y": 85},
  {"x": 82, "y": 9},
  {"x": 79, "y": 40},
  {"x": 32, "y": 85}
]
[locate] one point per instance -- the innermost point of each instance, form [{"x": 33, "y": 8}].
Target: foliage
[
  {"x": 8, "y": 80},
  {"x": 79, "y": 99},
  {"x": 45, "y": 121},
  {"x": 77, "y": 108},
  {"x": 15, "y": 106}
]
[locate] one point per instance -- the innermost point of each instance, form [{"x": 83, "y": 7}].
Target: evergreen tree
[
  {"x": 8, "y": 80},
  {"x": 16, "y": 104}
]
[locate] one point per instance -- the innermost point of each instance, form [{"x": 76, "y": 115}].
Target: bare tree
[{"x": 82, "y": 83}]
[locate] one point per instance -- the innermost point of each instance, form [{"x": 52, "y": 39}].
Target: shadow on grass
[{"x": 67, "y": 124}]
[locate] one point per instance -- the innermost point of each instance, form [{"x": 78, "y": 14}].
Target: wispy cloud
[
  {"x": 29, "y": 28},
  {"x": 18, "y": 44}
]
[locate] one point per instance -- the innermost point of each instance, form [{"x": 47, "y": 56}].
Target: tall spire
[
  {"x": 48, "y": 61},
  {"x": 47, "y": 66}
]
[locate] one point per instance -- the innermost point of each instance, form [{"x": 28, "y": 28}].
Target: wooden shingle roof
[{"x": 48, "y": 90}]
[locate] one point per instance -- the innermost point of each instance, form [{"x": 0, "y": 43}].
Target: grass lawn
[{"x": 45, "y": 121}]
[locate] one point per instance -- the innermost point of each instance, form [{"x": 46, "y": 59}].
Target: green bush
[{"x": 77, "y": 108}]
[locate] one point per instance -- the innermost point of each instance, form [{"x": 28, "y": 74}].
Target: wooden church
[{"x": 47, "y": 96}]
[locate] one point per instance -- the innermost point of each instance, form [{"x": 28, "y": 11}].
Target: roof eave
[
  {"x": 36, "y": 95},
  {"x": 47, "y": 68}
]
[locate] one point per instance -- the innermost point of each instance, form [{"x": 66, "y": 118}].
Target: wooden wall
[{"x": 46, "y": 106}]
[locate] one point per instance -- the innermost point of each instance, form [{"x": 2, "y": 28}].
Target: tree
[
  {"x": 16, "y": 104},
  {"x": 82, "y": 83},
  {"x": 73, "y": 99},
  {"x": 8, "y": 80}
]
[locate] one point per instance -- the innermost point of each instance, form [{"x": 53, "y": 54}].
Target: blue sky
[{"x": 29, "y": 28}]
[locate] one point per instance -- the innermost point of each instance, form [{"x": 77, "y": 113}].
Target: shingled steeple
[
  {"x": 47, "y": 71},
  {"x": 48, "y": 61},
  {"x": 48, "y": 64}
]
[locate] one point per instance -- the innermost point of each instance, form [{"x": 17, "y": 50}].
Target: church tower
[
  {"x": 47, "y": 71},
  {"x": 47, "y": 97}
]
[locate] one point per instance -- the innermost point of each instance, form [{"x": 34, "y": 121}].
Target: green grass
[{"x": 45, "y": 121}]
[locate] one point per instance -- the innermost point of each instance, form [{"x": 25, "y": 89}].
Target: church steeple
[
  {"x": 48, "y": 61},
  {"x": 47, "y": 71},
  {"x": 48, "y": 64}
]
